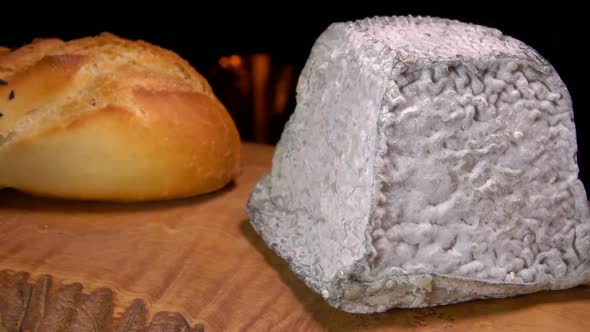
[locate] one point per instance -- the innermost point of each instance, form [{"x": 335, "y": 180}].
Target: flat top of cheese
[{"x": 437, "y": 38}]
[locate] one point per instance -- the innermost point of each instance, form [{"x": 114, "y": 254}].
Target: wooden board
[{"x": 198, "y": 263}]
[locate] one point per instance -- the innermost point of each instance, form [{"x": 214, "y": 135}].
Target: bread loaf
[
  {"x": 427, "y": 162},
  {"x": 105, "y": 118}
]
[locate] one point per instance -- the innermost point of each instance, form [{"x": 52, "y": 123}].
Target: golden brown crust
[
  {"x": 104, "y": 118},
  {"x": 50, "y": 79},
  {"x": 27, "y": 55}
]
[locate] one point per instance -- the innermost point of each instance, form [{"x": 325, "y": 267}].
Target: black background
[{"x": 201, "y": 32}]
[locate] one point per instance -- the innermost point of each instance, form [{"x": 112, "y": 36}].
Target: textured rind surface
[
  {"x": 334, "y": 164},
  {"x": 474, "y": 189},
  {"x": 506, "y": 151}
]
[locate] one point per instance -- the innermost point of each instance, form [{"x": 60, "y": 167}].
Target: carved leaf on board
[{"x": 42, "y": 306}]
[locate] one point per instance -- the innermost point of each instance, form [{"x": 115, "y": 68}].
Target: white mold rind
[{"x": 427, "y": 162}]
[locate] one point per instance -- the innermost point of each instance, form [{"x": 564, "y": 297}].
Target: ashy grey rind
[{"x": 428, "y": 162}]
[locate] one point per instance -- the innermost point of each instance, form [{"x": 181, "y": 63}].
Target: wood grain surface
[{"x": 197, "y": 264}]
